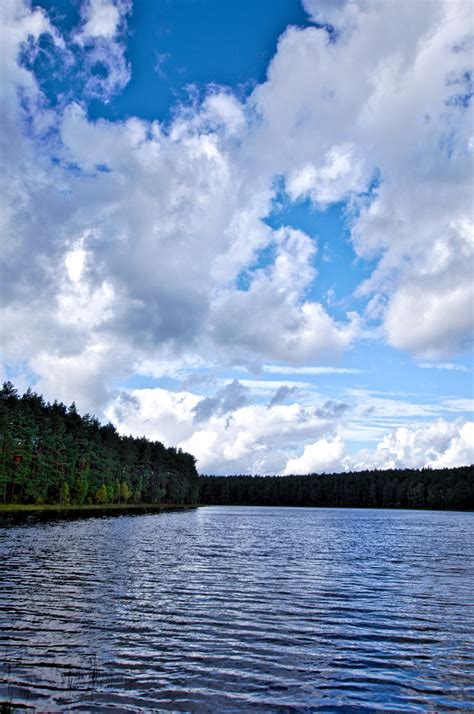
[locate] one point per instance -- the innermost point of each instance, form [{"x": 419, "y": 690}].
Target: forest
[
  {"x": 51, "y": 454},
  {"x": 445, "y": 489}
]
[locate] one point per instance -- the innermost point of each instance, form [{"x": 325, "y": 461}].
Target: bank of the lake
[
  {"x": 11, "y": 514},
  {"x": 93, "y": 508}
]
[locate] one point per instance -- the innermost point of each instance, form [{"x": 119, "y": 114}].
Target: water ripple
[{"x": 240, "y": 609}]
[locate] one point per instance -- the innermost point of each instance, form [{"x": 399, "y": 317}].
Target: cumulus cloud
[
  {"x": 125, "y": 214},
  {"x": 396, "y": 143},
  {"x": 323, "y": 456},
  {"x": 441, "y": 444},
  {"x": 272, "y": 316},
  {"x": 155, "y": 413},
  {"x": 437, "y": 445},
  {"x": 222, "y": 109},
  {"x": 442, "y": 290},
  {"x": 340, "y": 175}
]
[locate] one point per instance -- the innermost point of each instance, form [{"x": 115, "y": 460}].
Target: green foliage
[
  {"x": 101, "y": 495},
  {"x": 64, "y": 494},
  {"x": 407, "y": 488},
  {"x": 50, "y": 454},
  {"x": 125, "y": 492}
]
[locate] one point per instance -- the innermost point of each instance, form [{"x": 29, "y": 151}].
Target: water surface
[{"x": 228, "y": 609}]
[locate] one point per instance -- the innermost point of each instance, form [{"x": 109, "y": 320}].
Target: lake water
[{"x": 224, "y": 609}]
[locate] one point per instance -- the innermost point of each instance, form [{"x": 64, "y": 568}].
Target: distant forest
[
  {"x": 50, "y": 454},
  {"x": 408, "y": 488}
]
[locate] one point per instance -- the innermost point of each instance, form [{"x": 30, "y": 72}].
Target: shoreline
[{"x": 10, "y": 508}]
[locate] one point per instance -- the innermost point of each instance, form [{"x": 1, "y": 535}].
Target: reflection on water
[{"x": 240, "y": 609}]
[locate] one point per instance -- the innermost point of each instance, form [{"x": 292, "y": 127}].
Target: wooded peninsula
[{"x": 49, "y": 454}]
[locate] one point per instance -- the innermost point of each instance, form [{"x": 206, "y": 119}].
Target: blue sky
[
  {"x": 245, "y": 228},
  {"x": 173, "y": 45}
]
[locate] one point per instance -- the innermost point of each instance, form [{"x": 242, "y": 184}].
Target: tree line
[
  {"x": 51, "y": 454},
  {"x": 450, "y": 488}
]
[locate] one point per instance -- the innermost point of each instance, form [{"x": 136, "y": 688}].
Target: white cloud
[
  {"x": 402, "y": 122},
  {"x": 78, "y": 376},
  {"x": 438, "y": 445},
  {"x": 156, "y": 413},
  {"x": 267, "y": 386},
  {"x": 222, "y": 109},
  {"x": 459, "y": 405},
  {"x": 248, "y": 318},
  {"x": 321, "y": 457},
  {"x": 441, "y": 290},
  {"x": 340, "y": 175},
  {"x": 102, "y": 19}
]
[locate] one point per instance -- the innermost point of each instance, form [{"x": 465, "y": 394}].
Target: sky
[{"x": 244, "y": 228}]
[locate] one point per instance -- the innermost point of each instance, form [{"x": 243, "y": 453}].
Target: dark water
[{"x": 240, "y": 609}]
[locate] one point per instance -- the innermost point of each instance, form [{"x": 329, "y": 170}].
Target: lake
[{"x": 224, "y": 609}]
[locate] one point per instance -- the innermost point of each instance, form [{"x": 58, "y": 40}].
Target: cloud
[
  {"x": 234, "y": 434},
  {"x": 289, "y": 369},
  {"x": 444, "y": 365},
  {"x": 227, "y": 433},
  {"x": 438, "y": 445},
  {"x": 222, "y": 109},
  {"x": 281, "y": 394},
  {"x": 101, "y": 39},
  {"x": 340, "y": 175},
  {"x": 443, "y": 293},
  {"x": 231, "y": 397},
  {"x": 247, "y": 318},
  {"x": 321, "y": 457},
  {"x": 101, "y": 19},
  {"x": 155, "y": 413},
  {"x": 339, "y": 13},
  {"x": 331, "y": 409},
  {"x": 146, "y": 210},
  {"x": 460, "y": 405},
  {"x": 195, "y": 379},
  {"x": 396, "y": 144}
]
